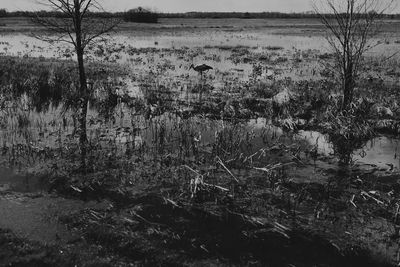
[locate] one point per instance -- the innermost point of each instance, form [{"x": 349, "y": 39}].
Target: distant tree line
[
  {"x": 143, "y": 15},
  {"x": 134, "y": 15},
  {"x": 256, "y": 15},
  {"x": 55, "y": 14}
]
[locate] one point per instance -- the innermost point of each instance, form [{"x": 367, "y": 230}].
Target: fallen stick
[
  {"x": 203, "y": 183},
  {"x": 365, "y": 194},
  {"x": 190, "y": 169},
  {"x": 270, "y": 168},
  {"x": 352, "y": 201},
  {"x": 217, "y": 186},
  {"x": 223, "y": 165}
]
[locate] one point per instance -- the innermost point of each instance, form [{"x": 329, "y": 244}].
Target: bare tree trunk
[
  {"x": 348, "y": 91},
  {"x": 348, "y": 87},
  {"x": 83, "y": 101},
  {"x": 82, "y": 111}
]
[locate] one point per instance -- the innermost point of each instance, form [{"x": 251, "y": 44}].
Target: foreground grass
[
  {"x": 151, "y": 230},
  {"x": 266, "y": 221},
  {"x": 15, "y": 251}
]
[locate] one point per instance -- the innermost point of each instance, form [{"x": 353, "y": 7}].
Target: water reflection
[{"x": 381, "y": 151}]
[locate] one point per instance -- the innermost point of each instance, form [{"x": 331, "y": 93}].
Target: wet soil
[{"x": 155, "y": 231}]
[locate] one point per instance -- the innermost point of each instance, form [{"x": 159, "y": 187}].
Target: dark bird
[{"x": 201, "y": 68}]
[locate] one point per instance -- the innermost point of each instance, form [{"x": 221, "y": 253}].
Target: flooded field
[{"x": 253, "y": 147}]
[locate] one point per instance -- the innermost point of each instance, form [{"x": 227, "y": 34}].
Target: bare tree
[
  {"x": 351, "y": 25},
  {"x": 78, "y": 28}
]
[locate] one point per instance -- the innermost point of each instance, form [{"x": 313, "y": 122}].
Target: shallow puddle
[
  {"x": 380, "y": 152},
  {"x": 11, "y": 181},
  {"x": 37, "y": 217}
]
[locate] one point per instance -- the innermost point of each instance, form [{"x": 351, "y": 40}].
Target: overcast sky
[
  {"x": 187, "y": 5},
  {"x": 183, "y": 5}
]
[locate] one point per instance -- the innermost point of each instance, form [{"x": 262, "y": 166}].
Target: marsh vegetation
[{"x": 253, "y": 163}]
